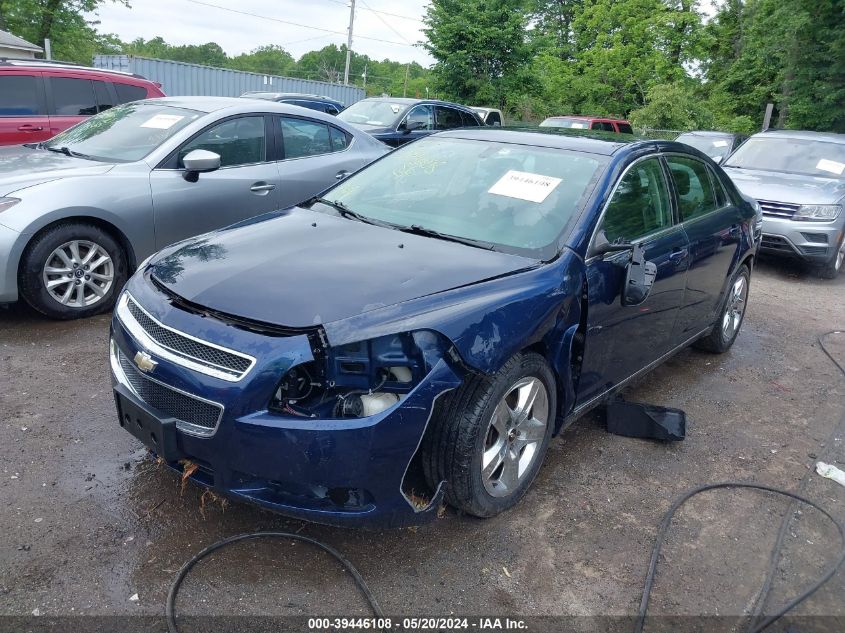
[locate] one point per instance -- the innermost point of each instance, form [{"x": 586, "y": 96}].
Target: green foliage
[{"x": 672, "y": 107}]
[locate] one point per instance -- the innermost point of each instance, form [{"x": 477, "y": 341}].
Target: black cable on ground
[
  {"x": 170, "y": 610},
  {"x": 174, "y": 588},
  {"x": 664, "y": 528}
]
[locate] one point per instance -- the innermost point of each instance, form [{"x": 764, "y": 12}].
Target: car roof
[
  {"x": 288, "y": 95},
  {"x": 707, "y": 133},
  {"x": 42, "y": 64},
  {"x": 605, "y": 144},
  {"x": 410, "y": 101},
  {"x": 803, "y": 134},
  {"x": 236, "y": 105},
  {"x": 586, "y": 117}
]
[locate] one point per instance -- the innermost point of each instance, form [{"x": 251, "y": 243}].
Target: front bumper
[
  {"x": 12, "y": 244},
  {"x": 343, "y": 472},
  {"x": 809, "y": 241}
]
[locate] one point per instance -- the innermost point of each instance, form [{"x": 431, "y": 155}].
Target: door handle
[
  {"x": 735, "y": 231},
  {"x": 678, "y": 254},
  {"x": 28, "y": 127},
  {"x": 262, "y": 187},
  {"x": 341, "y": 174}
]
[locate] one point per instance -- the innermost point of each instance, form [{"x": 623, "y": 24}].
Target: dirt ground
[{"x": 88, "y": 520}]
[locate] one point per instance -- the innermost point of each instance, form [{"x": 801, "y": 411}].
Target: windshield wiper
[
  {"x": 416, "y": 229},
  {"x": 345, "y": 211},
  {"x": 64, "y": 149}
]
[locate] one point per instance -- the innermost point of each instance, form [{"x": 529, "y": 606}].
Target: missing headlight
[{"x": 359, "y": 379}]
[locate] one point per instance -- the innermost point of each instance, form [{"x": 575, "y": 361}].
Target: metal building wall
[{"x": 179, "y": 79}]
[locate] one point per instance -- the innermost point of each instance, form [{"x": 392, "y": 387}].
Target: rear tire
[
  {"x": 831, "y": 269},
  {"x": 503, "y": 421},
  {"x": 731, "y": 316},
  {"x": 72, "y": 270}
]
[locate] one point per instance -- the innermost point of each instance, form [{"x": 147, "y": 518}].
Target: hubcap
[
  {"x": 514, "y": 435},
  {"x": 78, "y": 273},
  {"x": 735, "y": 308}
]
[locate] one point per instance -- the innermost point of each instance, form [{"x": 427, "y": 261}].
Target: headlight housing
[
  {"x": 8, "y": 203},
  {"x": 359, "y": 379},
  {"x": 818, "y": 212}
]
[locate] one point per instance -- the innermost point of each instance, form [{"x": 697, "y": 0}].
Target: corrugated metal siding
[{"x": 180, "y": 79}]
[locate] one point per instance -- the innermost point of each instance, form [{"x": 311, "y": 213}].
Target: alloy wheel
[
  {"x": 514, "y": 436},
  {"x": 840, "y": 256},
  {"x": 78, "y": 273},
  {"x": 735, "y": 308}
]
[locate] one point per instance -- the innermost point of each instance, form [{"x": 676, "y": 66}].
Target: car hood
[
  {"x": 22, "y": 167},
  {"x": 299, "y": 268},
  {"x": 781, "y": 187}
]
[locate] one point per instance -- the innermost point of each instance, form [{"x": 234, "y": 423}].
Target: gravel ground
[{"x": 88, "y": 520}]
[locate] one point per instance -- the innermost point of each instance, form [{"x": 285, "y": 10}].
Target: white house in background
[{"x": 14, "y": 46}]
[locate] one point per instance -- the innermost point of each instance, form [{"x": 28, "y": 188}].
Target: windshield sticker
[
  {"x": 720, "y": 143},
  {"x": 524, "y": 186},
  {"x": 162, "y": 121},
  {"x": 831, "y": 166},
  {"x": 579, "y": 126},
  {"x": 395, "y": 108}
]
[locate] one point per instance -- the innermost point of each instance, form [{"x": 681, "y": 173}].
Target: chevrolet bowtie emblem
[{"x": 145, "y": 362}]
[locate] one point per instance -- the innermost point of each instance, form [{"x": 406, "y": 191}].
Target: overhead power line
[
  {"x": 303, "y": 26},
  {"x": 393, "y": 15},
  {"x": 385, "y": 22}
]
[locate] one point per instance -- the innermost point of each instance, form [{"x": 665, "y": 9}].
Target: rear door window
[
  {"x": 73, "y": 97},
  {"x": 625, "y": 128},
  {"x": 696, "y": 196},
  {"x": 128, "y": 92},
  {"x": 446, "y": 118},
  {"x": 104, "y": 96},
  {"x": 604, "y": 126},
  {"x": 303, "y": 137},
  {"x": 19, "y": 95}
]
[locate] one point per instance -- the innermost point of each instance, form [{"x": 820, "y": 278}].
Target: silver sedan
[{"x": 80, "y": 211}]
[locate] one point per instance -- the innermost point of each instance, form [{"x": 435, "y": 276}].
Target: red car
[
  {"x": 39, "y": 99},
  {"x": 618, "y": 126}
]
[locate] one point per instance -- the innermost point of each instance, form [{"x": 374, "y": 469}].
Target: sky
[{"x": 200, "y": 21}]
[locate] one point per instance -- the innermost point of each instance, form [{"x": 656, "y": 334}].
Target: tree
[
  {"x": 481, "y": 48},
  {"x": 265, "y": 60},
  {"x": 673, "y": 107},
  {"x": 72, "y": 37}
]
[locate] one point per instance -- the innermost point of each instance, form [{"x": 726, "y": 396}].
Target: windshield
[
  {"x": 575, "y": 124},
  {"x": 125, "y": 133},
  {"x": 715, "y": 147},
  {"x": 382, "y": 113},
  {"x": 791, "y": 155},
  {"x": 517, "y": 198}
]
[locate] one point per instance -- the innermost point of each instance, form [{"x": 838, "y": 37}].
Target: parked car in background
[
  {"x": 798, "y": 178},
  {"x": 617, "y": 126},
  {"x": 39, "y": 99},
  {"x": 312, "y": 102},
  {"x": 399, "y": 121},
  {"x": 427, "y": 325},
  {"x": 78, "y": 212},
  {"x": 489, "y": 116},
  {"x": 717, "y": 145}
]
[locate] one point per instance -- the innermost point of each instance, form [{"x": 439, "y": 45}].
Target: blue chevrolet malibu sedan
[{"x": 420, "y": 331}]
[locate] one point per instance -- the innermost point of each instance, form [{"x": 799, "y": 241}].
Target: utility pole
[
  {"x": 349, "y": 42},
  {"x": 405, "y": 89},
  {"x": 365, "y": 76}
]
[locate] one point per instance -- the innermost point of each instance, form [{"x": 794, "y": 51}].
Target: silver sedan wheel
[
  {"x": 514, "y": 436},
  {"x": 78, "y": 273},
  {"x": 840, "y": 256},
  {"x": 735, "y": 308}
]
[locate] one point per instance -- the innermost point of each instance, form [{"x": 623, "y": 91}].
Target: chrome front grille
[
  {"x": 778, "y": 209},
  {"x": 193, "y": 415},
  {"x": 182, "y": 348}
]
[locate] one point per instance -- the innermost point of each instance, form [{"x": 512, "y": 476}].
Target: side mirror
[
  {"x": 639, "y": 277},
  {"x": 199, "y": 161},
  {"x": 412, "y": 126}
]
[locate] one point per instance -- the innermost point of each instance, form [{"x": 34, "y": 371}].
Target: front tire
[
  {"x": 727, "y": 326},
  {"x": 831, "y": 269},
  {"x": 489, "y": 437},
  {"x": 72, "y": 270}
]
